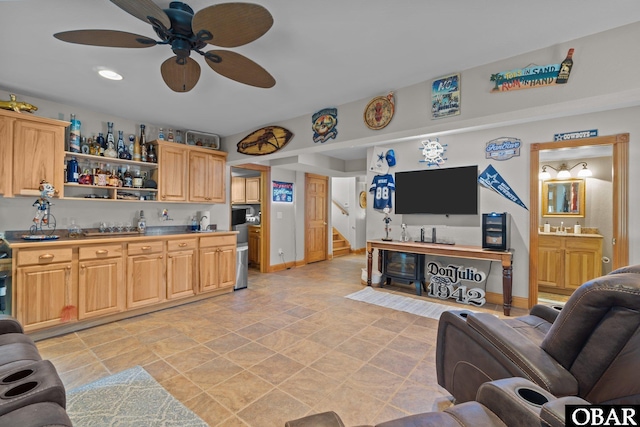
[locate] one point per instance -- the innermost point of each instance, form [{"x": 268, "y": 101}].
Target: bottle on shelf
[
  {"x": 136, "y": 149},
  {"x": 120, "y": 147},
  {"x": 170, "y": 135},
  {"x": 151, "y": 154},
  {"x": 565, "y": 68},
  {"x": 73, "y": 170},
  {"x": 74, "y": 135},
  {"x": 94, "y": 147},
  {"x": 179, "y": 136},
  {"x": 101, "y": 143},
  {"x": 143, "y": 145},
  {"x": 161, "y": 134},
  {"x": 127, "y": 178},
  {"x": 84, "y": 145},
  {"x": 137, "y": 179},
  {"x": 111, "y": 143}
]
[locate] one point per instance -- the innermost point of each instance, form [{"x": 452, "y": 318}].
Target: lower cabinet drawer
[
  {"x": 99, "y": 251},
  {"x": 144, "y": 248},
  {"x": 43, "y": 256}
]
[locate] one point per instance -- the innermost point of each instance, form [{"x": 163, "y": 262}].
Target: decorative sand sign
[{"x": 533, "y": 76}]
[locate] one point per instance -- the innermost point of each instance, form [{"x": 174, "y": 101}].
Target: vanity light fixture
[{"x": 564, "y": 172}]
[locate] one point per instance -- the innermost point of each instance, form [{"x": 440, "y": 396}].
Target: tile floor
[{"x": 287, "y": 346}]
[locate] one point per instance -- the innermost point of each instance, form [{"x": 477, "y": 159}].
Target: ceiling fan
[{"x": 225, "y": 25}]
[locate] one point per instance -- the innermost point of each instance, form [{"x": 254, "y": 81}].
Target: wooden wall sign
[
  {"x": 265, "y": 141},
  {"x": 533, "y": 76}
]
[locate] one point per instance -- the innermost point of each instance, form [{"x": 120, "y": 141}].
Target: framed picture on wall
[
  {"x": 282, "y": 192},
  {"x": 445, "y": 96}
]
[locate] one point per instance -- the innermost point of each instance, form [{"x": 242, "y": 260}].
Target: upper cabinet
[
  {"x": 31, "y": 150},
  {"x": 245, "y": 190},
  {"x": 190, "y": 174}
]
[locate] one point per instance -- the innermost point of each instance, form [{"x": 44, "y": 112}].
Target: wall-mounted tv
[{"x": 451, "y": 191}]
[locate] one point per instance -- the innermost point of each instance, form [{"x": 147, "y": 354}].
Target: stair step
[
  {"x": 341, "y": 251},
  {"x": 340, "y": 243}
]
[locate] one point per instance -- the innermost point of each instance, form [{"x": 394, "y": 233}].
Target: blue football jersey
[{"x": 381, "y": 187}]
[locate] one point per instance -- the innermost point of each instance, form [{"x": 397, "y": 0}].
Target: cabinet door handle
[
  {"x": 159, "y": 256},
  {"x": 102, "y": 252},
  {"x": 46, "y": 256},
  {"x": 145, "y": 248},
  {"x": 182, "y": 245},
  {"x": 83, "y": 266}
]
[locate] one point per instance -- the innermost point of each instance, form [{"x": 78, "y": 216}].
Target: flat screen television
[{"x": 450, "y": 191}]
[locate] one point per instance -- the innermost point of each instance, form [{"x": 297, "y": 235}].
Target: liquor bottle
[
  {"x": 179, "y": 136},
  {"x": 102, "y": 143},
  {"x": 151, "y": 154},
  {"x": 84, "y": 145},
  {"x": 111, "y": 143},
  {"x": 94, "y": 147},
  {"x": 136, "y": 149},
  {"x": 142, "y": 223},
  {"x": 132, "y": 139},
  {"x": 74, "y": 135},
  {"x": 121, "y": 146},
  {"x": 73, "y": 170},
  {"x": 137, "y": 179},
  {"x": 143, "y": 145},
  {"x": 161, "y": 134},
  {"x": 565, "y": 68},
  {"x": 128, "y": 178},
  {"x": 170, "y": 135}
]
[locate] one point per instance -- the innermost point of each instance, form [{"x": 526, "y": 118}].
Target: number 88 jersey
[{"x": 381, "y": 187}]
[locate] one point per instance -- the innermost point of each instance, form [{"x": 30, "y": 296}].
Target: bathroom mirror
[{"x": 563, "y": 198}]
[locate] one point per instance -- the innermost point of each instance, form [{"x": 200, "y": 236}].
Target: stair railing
[{"x": 342, "y": 208}]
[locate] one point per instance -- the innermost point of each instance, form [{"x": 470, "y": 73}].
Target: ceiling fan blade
[
  {"x": 180, "y": 78},
  {"x": 239, "y": 68},
  {"x": 143, "y": 9},
  {"x": 232, "y": 24},
  {"x": 107, "y": 38}
]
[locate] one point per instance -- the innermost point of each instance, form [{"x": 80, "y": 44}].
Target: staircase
[{"x": 341, "y": 245}]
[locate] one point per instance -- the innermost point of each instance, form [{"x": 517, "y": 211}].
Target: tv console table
[{"x": 456, "y": 251}]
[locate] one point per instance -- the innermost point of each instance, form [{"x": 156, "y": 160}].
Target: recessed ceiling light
[{"x": 109, "y": 74}]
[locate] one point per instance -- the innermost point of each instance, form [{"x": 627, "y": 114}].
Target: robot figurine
[
  {"x": 43, "y": 221},
  {"x": 386, "y": 220}
]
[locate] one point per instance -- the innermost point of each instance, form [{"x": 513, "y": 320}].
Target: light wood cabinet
[
  {"x": 217, "y": 262},
  {"x": 254, "y": 245},
  {"x": 245, "y": 190},
  {"x": 181, "y": 268},
  {"x": 172, "y": 173},
  {"x": 101, "y": 286},
  {"x": 44, "y": 285},
  {"x": 206, "y": 177},
  {"x": 565, "y": 262},
  {"x": 145, "y": 274},
  {"x": 31, "y": 150},
  {"x": 252, "y": 190},
  {"x": 238, "y": 194}
]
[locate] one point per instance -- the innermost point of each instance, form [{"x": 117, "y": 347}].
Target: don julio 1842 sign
[{"x": 445, "y": 283}]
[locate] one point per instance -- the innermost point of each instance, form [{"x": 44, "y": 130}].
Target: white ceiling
[{"x": 321, "y": 54}]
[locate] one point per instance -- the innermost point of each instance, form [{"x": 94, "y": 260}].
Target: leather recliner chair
[
  {"x": 589, "y": 348},
  {"x": 510, "y": 402}
]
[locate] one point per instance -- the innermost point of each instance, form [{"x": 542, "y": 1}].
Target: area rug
[
  {"x": 398, "y": 302},
  {"x": 129, "y": 398}
]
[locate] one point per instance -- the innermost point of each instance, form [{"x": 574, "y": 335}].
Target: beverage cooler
[{"x": 495, "y": 231}]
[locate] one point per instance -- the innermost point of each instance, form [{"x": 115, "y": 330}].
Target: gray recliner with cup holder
[
  {"x": 589, "y": 348},
  {"x": 510, "y": 402},
  {"x": 31, "y": 392}
]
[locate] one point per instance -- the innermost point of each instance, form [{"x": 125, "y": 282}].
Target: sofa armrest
[
  {"x": 9, "y": 325},
  {"x": 533, "y": 362},
  {"x": 323, "y": 419},
  {"x": 553, "y": 412},
  {"x": 545, "y": 312}
]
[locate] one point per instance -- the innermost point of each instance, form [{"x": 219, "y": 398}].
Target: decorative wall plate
[
  {"x": 265, "y": 141},
  {"x": 379, "y": 111},
  {"x": 363, "y": 199}
]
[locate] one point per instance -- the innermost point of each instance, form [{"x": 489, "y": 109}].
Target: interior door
[
  {"x": 620, "y": 201},
  {"x": 316, "y": 207}
]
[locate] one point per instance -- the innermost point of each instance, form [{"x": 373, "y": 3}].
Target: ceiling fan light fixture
[{"x": 110, "y": 74}]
